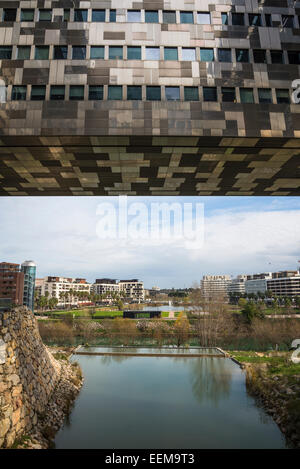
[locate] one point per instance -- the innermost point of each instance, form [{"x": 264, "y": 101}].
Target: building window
[
  {"x": 277, "y": 57},
  {"x": 57, "y": 92},
  {"x": 254, "y": 19},
  {"x": 294, "y": 57},
  {"x": 259, "y": 56},
  {"x": 191, "y": 93},
  {"x": 41, "y": 52},
  {"x": 282, "y": 96},
  {"x": 151, "y": 16},
  {"x": 171, "y": 53},
  {"x": 27, "y": 15},
  {"x": 228, "y": 95},
  {"x": 98, "y": 16},
  {"x": 152, "y": 53},
  {"x": 112, "y": 16},
  {"x": 287, "y": 21},
  {"x": 134, "y": 16},
  {"x": 23, "y": 52},
  {"x": 115, "y": 93},
  {"x": 242, "y": 55},
  {"x": 186, "y": 17},
  {"x": 207, "y": 55},
  {"x": 134, "y": 53},
  {"x": 169, "y": 17},
  {"x": 188, "y": 54},
  {"x": 203, "y": 18},
  {"x": 172, "y": 93},
  {"x": 238, "y": 19},
  {"x": 45, "y": 15},
  {"x": 268, "y": 20},
  {"x": 5, "y": 52},
  {"x": 80, "y": 15},
  {"x": 97, "y": 52},
  {"x": 78, "y": 52},
  {"x": 76, "y": 93},
  {"x": 264, "y": 95},
  {"x": 38, "y": 92},
  {"x": 134, "y": 93},
  {"x": 153, "y": 93},
  {"x": 116, "y": 52},
  {"x": 224, "y": 17},
  {"x": 9, "y": 14},
  {"x": 246, "y": 95},
  {"x": 60, "y": 52},
  {"x": 224, "y": 55},
  {"x": 209, "y": 93},
  {"x": 66, "y": 14},
  {"x": 19, "y": 93}
]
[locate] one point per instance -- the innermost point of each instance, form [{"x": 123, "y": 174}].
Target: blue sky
[{"x": 241, "y": 235}]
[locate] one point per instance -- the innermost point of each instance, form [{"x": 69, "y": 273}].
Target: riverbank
[
  {"x": 274, "y": 380},
  {"x": 59, "y": 405}
]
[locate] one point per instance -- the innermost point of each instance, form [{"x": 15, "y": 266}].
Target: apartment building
[
  {"x": 215, "y": 286},
  {"x": 59, "y": 287},
  {"x": 133, "y": 289},
  {"x": 11, "y": 285},
  {"x": 106, "y": 287}
]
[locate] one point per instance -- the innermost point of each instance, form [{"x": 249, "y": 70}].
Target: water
[
  {"x": 165, "y": 402},
  {"x": 154, "y": 351}
]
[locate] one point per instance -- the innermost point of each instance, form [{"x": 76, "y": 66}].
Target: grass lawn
[
  {"x": 277, "y": 364},
  {"x": 82, "y": 312}
]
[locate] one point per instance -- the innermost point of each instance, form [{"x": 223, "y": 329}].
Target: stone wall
[{"x": 28, "y": 375}]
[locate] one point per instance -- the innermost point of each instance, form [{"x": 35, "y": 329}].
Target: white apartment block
[
  {"x": 133, "y": 289},
  {"x": 127, "y": 289},
  {"x": 214, "y": 286},
  {"x": 55, "y": 286}
]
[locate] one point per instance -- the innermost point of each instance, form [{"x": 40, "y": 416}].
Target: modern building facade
[
  {"x": 285, "y": 284},
  {"x": 237, "y": 285},
  {"x": 65, "y": 290},
  {"x": 11, "y": 285},
  {"x": 146, "y": 98},
  {"x": 215, "y": 286},
  {"x": 29, "y": 270},
  {"x": 132, "y": 290}
]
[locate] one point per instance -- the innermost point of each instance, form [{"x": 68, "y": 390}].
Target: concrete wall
[{"x": 28, "y": 375}]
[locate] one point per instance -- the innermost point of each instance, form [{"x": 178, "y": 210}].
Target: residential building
[
  {"x": 149, "y": 98},
  {"x": 215, "y": 286},
  {"x": 65, "y": 289},
  {"x": 107, "y": 288},
  {"x": 11, "y": 285},
  {"x": 132, "y": 289}
]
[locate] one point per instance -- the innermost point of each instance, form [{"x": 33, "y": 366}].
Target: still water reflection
[{"x": 165, "y": 402}]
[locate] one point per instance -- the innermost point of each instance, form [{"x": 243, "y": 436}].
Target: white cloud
[{"x": 60, "y": 235}]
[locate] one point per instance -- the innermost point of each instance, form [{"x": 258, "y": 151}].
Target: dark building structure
[
  {"x": 11, "y": 285},
  {"x": 141, "y": 314},
  {"x": 149, "y": 98}
]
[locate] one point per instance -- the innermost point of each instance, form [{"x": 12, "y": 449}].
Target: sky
[{"x": 79, "y": 237}]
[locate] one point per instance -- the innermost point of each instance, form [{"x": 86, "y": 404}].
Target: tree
[
  {"x": 181, "y": 329},
  {"x": 252, "y": 310}
]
